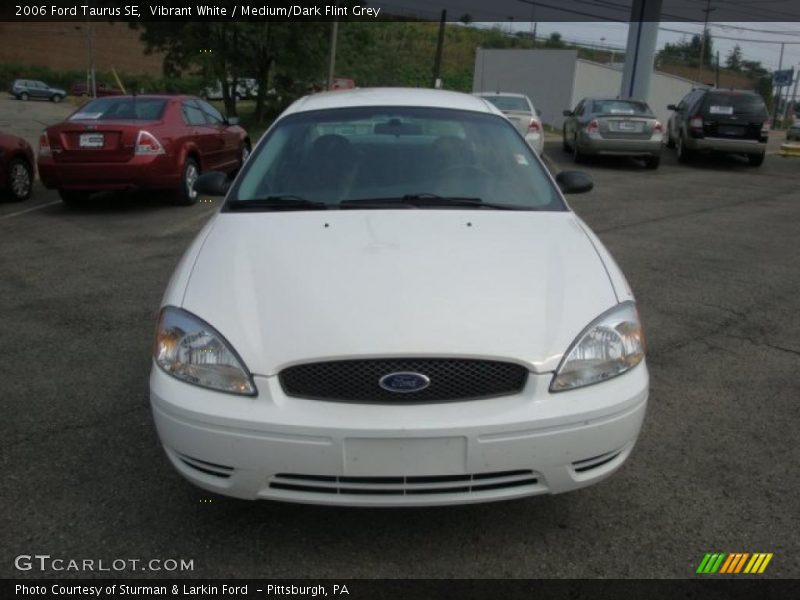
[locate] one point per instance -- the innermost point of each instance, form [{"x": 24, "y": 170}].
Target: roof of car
[{"x": 420, "y": 97}]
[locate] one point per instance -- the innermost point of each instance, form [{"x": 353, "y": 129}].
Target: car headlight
[
  {"x": 191, "y": 350},
  {"x": 611, "y": 345}
]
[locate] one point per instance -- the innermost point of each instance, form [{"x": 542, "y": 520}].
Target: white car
[
  {"x": 394, "y": 306},
  {"x": 520, "y": 111}
]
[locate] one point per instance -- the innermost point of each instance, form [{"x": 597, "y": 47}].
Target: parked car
[
  {"x": 16, "y": 167},
  {"x": 79, "y": 88},
  {"x": 245, "y": 88},
  {"x": 714, "y": 120},
  {"x": 793, "y": 133},
  {"x": 611, "y": 126},
  {"x": 23, "y": 89},
  {"x": 395, "y": 306},
  {"x": 139, "y": 142},
  {"x": 342, "y": 83},
  {"x": 520, "y": 111}
]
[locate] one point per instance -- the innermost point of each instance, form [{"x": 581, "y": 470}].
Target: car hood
[{"x": 293, "y": 287}]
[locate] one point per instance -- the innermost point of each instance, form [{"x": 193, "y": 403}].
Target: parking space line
[{"x": 27, "y": 210}]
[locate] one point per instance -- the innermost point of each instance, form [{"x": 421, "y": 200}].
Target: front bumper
[
  {"x": 282, "y": 448},
  {"x": 715, "y": 144},
  {"x": 139, "y": 172}
]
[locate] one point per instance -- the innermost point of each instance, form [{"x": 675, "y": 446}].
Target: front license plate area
[
  {"x": 405, "y": 456},
  {"x": 91, "y": 140}
]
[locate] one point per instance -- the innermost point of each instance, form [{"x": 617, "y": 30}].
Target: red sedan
[
  {"x": 139, "y": 142},
  {"x": 16, "y": 167}
]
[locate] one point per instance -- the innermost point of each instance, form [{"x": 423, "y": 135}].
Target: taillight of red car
[
  {"x": 147, "y": 144},
  {"x": 44, "y": 145}
]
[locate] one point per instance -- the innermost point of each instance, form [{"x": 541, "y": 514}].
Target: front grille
[
  {"x": 358, "y": 380},
  {"x": 403, "y": 486}
]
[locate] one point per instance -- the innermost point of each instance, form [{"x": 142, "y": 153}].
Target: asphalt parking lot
[{"x": 711, "y": 251}]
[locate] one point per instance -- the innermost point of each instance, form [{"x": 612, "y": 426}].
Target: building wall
[
  {"x": 545, "y": 76},
  {"x": 64, "y": 46},
  {"x": 667, "y": 89},
  {"x": 594, "y": 79}
]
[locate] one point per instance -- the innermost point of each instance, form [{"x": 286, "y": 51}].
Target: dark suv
[{"x": 714, "y": 120}]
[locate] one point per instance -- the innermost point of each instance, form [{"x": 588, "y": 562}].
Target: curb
[{"x": 790, "y": 150}]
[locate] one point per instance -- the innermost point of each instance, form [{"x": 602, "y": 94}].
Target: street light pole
[{"x": 332, "y": 57}]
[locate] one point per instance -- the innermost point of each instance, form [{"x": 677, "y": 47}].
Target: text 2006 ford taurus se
[{"x": 394, "y": 306}]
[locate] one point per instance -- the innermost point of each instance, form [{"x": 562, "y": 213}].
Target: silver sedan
[{"x": 614, "y": 127}]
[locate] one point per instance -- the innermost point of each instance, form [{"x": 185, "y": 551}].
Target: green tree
[{"x": 734, "y": 59}]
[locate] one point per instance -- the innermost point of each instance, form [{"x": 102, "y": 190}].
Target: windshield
[
  {"x": 729, "y": 104},
  {"x": 516, "y": 103},
  {"x": 621, "y": 107},
  {"x": 129, "y": 108},
  {"x": 378, "y": 153}
]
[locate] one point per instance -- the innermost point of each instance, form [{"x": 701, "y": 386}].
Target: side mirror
[
  {"x": 232, "y": 120},
  {"x": 671, "y": 107},
  {"x": 572, "y": 182},
  {"x": 213, "y": 183},
  {"x": 567, "y": 113}
]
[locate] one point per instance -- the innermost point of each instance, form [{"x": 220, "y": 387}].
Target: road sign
[{"x": 782, "y": 78}]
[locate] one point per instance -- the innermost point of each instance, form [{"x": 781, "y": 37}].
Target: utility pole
[
  {"x": 92, "y": 80},
  {"x": 779, "y": 91},
  {"x": 332, "y": 57},
  {"x": 706, "y": 10},
  {"x": 437, "y": 63},
  {"x": 787, "y": 103},
  {"x": 533, "y": 24}
]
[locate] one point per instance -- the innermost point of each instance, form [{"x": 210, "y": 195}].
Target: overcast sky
[{"x": 616, "y": 35}]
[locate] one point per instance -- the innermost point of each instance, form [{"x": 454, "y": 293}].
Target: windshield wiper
[
  {"x": 427, "y": 200},
  {"x": 283, "y": 202}
]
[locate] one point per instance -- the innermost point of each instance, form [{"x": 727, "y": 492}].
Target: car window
[
  {"x": 213, "y": 116},
  {"x": 389, "y": 152},
  {"x": 122, "y": 108},
  {"x": 516, "y": 103},
  {"x": 621, "y": 107},
  {"x": 192, "y": 115},
  {"x": 579, "y": 109}
]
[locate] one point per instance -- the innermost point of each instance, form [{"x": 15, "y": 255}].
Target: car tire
[
  {"x": 577, "y": 156},
  {"x": 684, "y": 154},
  {"x": 57, "y": 98},
  {"x": 74, "y": 198},
  {"x": 564, "y": 145},
  {"x": 186, "y": 196},
  {"x": 670, "y": 141},
  {"x": 652, "y": 162},
  {"x": 23, "y": 96},
  {"x": 756, "y": 160},
  {"x": 19, "y": 180}
]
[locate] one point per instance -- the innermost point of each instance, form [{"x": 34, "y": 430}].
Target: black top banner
[{"x": 425, "y": 10}]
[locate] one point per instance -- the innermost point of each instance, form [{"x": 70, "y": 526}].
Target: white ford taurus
[{"x": 394, "y": 306}]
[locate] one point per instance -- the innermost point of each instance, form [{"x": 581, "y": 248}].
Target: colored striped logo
[{"x": 734, "y": 563}]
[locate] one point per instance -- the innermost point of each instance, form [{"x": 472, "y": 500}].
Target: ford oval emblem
[{"x": 404, "y": 382}]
